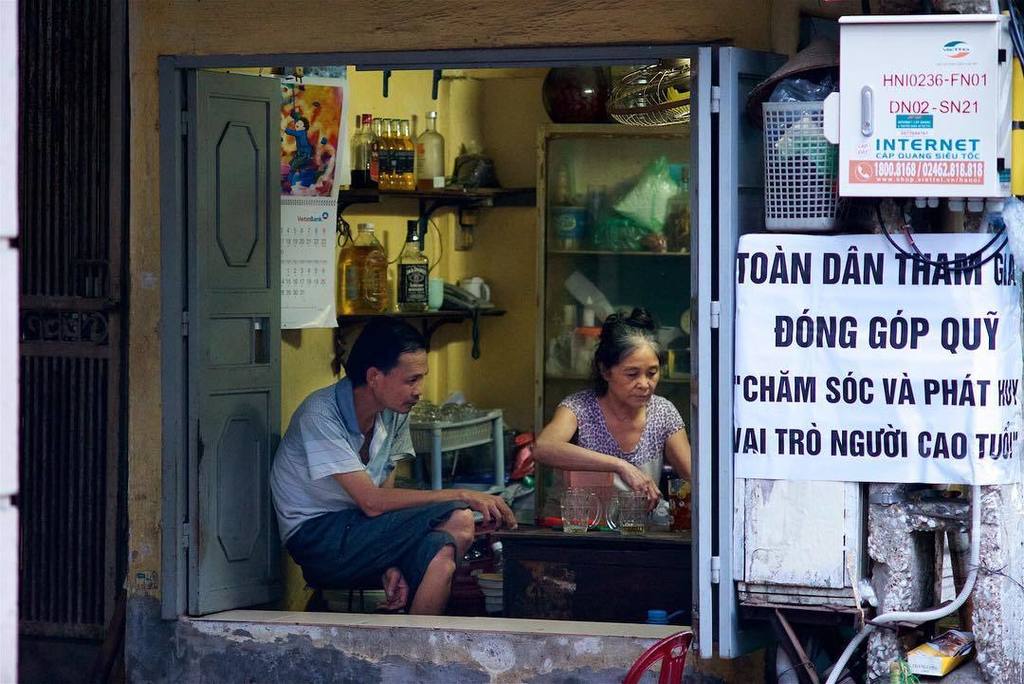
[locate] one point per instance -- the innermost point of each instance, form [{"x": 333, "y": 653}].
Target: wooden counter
[{"x": 598, "y": 576}]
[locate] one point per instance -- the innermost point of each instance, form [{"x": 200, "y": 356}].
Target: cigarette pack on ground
[{"x": 942, "y": 654}]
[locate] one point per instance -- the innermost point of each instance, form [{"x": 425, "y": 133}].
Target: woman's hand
[{"x": 641, "y": 482}]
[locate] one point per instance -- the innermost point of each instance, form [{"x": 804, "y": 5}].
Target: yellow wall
[
  {"x": 186, "y": 27},
  {"x": 505, "y": 253},
  {"x": 502, "y": 115},
  {"x": 305, "y": 366},
  {"x": 306, "y": 355}
]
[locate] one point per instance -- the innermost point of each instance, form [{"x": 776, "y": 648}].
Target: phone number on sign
[{"x": 918, "y": 172}]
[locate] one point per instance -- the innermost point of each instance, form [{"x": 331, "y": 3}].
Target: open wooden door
[{"x": 233, "y": 332}]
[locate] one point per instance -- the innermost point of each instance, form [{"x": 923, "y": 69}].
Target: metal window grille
[{"x": 70, "y": 164}]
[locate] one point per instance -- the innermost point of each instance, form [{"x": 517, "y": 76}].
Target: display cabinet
[{"x": 614, "y": 210}]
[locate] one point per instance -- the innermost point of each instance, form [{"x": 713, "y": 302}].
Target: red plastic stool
[{"x": 671, "y": 651}]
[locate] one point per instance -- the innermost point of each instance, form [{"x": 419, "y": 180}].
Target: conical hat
[{"x": 821, "y": 53}]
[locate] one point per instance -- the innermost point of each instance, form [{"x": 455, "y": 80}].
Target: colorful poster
[
  {"x": 855, "y": 362},
  {"x": 314, "y": 134},
  {"x": 307, "y": 262}
]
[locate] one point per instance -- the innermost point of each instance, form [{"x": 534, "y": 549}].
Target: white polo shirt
[{"x": 323, "y": 439}]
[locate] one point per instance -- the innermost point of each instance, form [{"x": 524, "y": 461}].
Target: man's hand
[
  {"x": 396, "y": 590},
  {"x": 494, "y": 509}
]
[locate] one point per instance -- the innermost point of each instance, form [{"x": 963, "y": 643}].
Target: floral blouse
[{"x": 663, "y": 421}]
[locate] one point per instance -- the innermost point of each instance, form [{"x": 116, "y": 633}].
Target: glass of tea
[
  {"x": 679, "y": 504},
  {"x": 628, "y": 513}
]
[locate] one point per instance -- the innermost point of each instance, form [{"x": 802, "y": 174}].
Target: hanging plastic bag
[
  {"x": 618, "y": 234},
  {"x": 804, "y": 89},
  {"x": 646, "y": 204}
]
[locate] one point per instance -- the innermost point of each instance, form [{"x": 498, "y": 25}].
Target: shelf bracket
[
  {"x": 431, "y": 203},
  {"x": 433, "y": 87},
  {"x": 426, "y": 214},
  {"x": 428, "y": 328},
  {"x": 430, "y": 206},
  {"x": 427, "y": 324},
  {"x": 346, "y": 202}
]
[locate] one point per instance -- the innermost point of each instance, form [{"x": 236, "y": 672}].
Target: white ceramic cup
[
  {"x": 435, "y": 293},
  {"x": 476, "y": 287}
]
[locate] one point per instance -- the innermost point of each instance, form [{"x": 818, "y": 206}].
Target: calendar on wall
[{"x": 307, "y": 262}]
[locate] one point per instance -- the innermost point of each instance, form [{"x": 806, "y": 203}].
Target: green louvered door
[{"x": 233, "y": 340}]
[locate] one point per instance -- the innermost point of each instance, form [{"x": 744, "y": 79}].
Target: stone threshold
[{"x": 493, "y": 625}]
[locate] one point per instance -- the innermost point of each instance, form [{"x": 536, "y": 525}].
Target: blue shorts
[{"x": 346, "y": 548}]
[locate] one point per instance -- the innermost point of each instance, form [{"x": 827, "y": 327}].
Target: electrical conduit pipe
[{"x": 924, "y": 616}]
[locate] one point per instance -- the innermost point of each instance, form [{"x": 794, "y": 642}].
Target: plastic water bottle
[
  {"x": 657, "y": 617},
  {"x": 661, "y": 617}
]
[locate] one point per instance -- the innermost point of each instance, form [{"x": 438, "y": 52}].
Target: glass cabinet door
[{"x": 614, "y": 203}]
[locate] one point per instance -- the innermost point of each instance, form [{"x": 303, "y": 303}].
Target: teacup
[
  {"x": 581, "y": 509},
  {"x": 476, "y": 287},
  {"x": 627, "y": 513}
]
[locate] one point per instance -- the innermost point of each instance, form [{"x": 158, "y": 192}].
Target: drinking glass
[
  {"x": 628, "y": 513},
  {"x": 581, "y": 509}
]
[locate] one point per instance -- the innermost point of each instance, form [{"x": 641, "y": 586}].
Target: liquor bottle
[
  {"x": 412, "y": 272},
  {"x": 375, "y": 147},
  {"x": 353, "y": 146},
  {"x": 395, "y": 150},
  {"x": 361, "y": 141},
  {"x": 407, "y": 163},
  {"x": 362, "y": 274},
  {"x": 430, "y": 156},
  {"x": 385, "y": 155}
]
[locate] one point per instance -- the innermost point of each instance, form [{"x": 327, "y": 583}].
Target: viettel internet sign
[{"x": 956, "y": 49}]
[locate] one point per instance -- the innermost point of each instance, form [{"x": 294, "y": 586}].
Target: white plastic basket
[
  {"x": 458, "y": 435},
  {"x": 800, "y": 168}
]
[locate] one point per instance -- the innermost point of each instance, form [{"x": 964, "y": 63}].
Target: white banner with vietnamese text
[{"x": 857, "y": 363}]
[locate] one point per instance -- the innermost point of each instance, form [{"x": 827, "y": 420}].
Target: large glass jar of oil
[{"x": 363, "y": 274}]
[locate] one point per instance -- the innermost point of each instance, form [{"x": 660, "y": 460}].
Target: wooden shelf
[
  {"x": 614, "y": 131},
  {"x": 520, "y": 197},
  {"x": 444, "y": 315},
  {"x": 608, "y": 252},
  {"x": 432, "y": 200},
  {"x": 427, "y": 321}
]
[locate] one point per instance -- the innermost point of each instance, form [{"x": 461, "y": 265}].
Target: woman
[{"x": 620, "y": 426}]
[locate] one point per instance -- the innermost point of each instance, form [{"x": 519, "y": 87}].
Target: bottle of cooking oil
[
  {"x": 412, "y": 272},
  {"x": 407, "y": 164},
  {"x": 362, "y": 274}
]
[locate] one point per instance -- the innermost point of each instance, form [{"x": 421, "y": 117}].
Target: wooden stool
[{"x": 318, "y": 603}]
